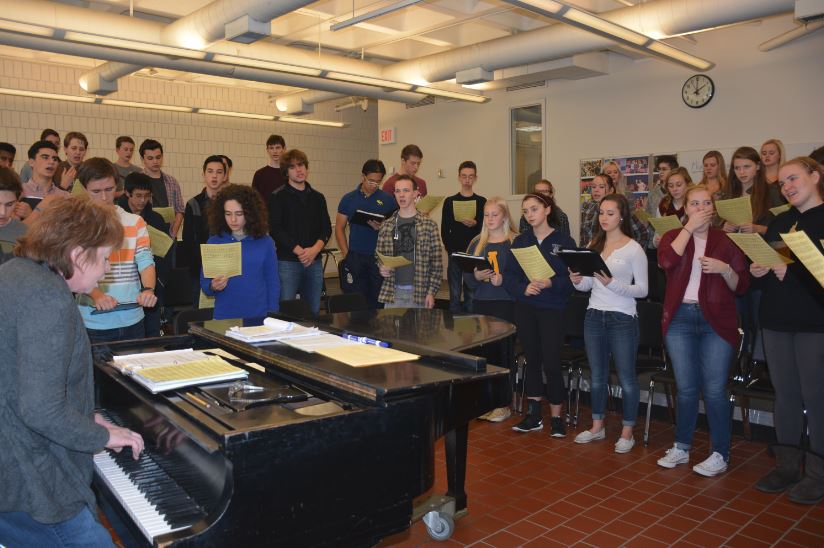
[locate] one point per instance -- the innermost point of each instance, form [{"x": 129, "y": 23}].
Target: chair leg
[
  {"x": 670, "y": 402},
  {"x": 578, "y": 395},
  {"x": 569, "y": 395},
  {"x": 745, "y": 417},
  {"x": 650, "y": 397}
]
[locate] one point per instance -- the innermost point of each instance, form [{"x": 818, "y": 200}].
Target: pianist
[{"x": 48, "y": 430}]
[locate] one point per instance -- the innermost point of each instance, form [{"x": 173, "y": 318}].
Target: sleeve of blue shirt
[
  {"x": 515, "y": 281},
  {"x": 204, "y": 281}
]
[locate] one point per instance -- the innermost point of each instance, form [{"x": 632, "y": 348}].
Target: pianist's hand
[{"x": 123, "y": 437}]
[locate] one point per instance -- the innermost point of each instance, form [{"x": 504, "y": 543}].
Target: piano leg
[{"x": 455, "y": 444}]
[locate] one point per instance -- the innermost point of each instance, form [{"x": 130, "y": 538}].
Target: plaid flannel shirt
[
  {"x": 428, "y": 262},
  {"x": 589, "y": 220},
  {"x": 173, "y": 192}
]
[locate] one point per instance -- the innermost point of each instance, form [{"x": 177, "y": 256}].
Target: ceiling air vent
[
  {"x": 428, "y": 100},
  {"x": 539, "y": 84}
]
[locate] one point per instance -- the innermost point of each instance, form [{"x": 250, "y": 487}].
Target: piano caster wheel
[{"x": 439, "y": 525}]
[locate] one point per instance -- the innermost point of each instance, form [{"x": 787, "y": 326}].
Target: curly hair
[{"x": 257, "y": 223}]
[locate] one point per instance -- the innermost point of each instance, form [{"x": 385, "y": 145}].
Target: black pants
[
  {"x": 366, "y": 278},
  {"x": 796, "y": 364},
  {"x": 503, "y": 310},
  {"x": 542, "y": 333}
]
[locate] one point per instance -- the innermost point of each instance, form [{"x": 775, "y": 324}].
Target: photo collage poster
[{"x": 639, "y": 173}]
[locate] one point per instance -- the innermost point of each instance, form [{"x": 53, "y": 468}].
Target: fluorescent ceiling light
[
  {"x": 41, "y": 95},
  {"x": 152, "y": 106},
  {"x": 681, "y": 56},
  {"x": 562, "y": 11},
  {"x": 172, "y": 108},
  {"x": 606, "y": 27},
  {"x": 372, "y": 14},
  {"x": 133, "y": 45},
  {"x": 529, "y": 129},
  {"x": 233, "y": 114},
  {"x": 368, "y": 80},
  {"x": 310, "y": 122},
  {"x": 452, "y": 94},
  {"x": 25, "y": 28},
  {"x": 267, "y": 65}
]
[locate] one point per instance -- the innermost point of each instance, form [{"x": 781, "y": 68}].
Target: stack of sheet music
[
  {"x": 271, "y": 330},
  {"x": 161, "y": 371}
]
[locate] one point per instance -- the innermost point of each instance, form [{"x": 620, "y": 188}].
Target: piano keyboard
[{"x": 154, "y": 501}]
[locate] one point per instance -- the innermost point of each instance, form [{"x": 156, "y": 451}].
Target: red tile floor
[{"x": 531, "y": 490}]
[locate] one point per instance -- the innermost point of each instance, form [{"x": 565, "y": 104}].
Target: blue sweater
[
  {"x": 257, "y": 290},
  {"x": 515, "y": 281}
]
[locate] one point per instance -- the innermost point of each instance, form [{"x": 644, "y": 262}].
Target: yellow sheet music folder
[
  {"x": 168, "y": 213},
  {"x": 221, "y": 260},
  {"x": 464, "y": 210},
  {"x": 662, "y": 225},
  {"x": 428, "y": 203},
  {"x": 362, "y": 355},
  {"x": 201, "y": 369},
  {"x": 534, "y": 265},
  {"x": 160, "y": 242},
  {"x": 758, "y": 250},
  {"x": 738, "y": 211},
  {"x": 807, "y": 253},
  {"x": 393, "y": 262}
]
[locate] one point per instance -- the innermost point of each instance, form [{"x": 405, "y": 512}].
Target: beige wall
[
  {"x": 335, "y": 155},
  {"x": 636, "y": 109}
]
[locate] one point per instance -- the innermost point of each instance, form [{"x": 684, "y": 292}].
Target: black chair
[
  {"x": 178, "y": 290},
  {"x": 296, "y": 309},
  {"x": 751, "y": 382},
  {"x": 182, "y": 318},
  {"x": 347, "y": 302},
  {"x": 573, "y": 355},
  {"x": 656, "y": 280},
  {"x": 652, "y": 355}
]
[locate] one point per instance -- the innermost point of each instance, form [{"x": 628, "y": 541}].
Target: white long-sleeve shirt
[{"x": 628, "y": 265}]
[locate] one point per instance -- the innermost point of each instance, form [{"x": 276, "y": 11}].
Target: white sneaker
[
  {"x": 713, "y": 466},
  {"x": 586, "y": 436},
  {"x": 624, "y": 445},
  {"x": 498, "y": 415},
  {"x": 674, "y": 457}
]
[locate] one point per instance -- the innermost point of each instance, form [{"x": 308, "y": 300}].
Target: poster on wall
[{"x": 587, "y": 170}]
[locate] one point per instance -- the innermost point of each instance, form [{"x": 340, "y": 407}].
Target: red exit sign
[{"x": 388, "y": 135}]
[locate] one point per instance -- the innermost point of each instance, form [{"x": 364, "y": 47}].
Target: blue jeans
[
  {"x": 701, "y": 362},
  {"x": 18, "y": 529},
  {"x": 613, "y": 333},
  {"x": 307, "y": 281},
  {"x": 366, "y": 278},
  {"x": 404, "y": 298},
  {"x": 454, "y": 277}
]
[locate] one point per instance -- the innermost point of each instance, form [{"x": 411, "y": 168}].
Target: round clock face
[{"x": 698, "y": 91}]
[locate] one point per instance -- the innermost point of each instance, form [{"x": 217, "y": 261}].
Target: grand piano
[{"x": 337, "y": 459}]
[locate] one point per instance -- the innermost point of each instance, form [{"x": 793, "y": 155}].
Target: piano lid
[{"x": 374, "y": 383}]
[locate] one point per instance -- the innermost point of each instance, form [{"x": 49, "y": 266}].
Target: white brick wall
[{"x": 335, "y": 155}]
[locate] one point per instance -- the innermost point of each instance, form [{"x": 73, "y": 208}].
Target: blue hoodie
[{"x": 255, "y": 292}]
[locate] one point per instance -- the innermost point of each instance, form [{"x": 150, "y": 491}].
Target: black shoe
[
  {"x": 529, "y": 424},
  {"x": 558, "y": 430}
]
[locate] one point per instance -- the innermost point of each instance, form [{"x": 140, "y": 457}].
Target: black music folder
[
  {"x": 469, "y": 263},
  {"x": 362, "y": 217},
  {"x": 585, "y": 262},
  {"x": 33, "y": 201}
]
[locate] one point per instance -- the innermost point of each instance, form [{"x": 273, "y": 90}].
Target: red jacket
[{"x": 716, "y": 300}]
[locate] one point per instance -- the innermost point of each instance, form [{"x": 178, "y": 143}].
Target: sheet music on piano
[{"x": 161, "y": 371}]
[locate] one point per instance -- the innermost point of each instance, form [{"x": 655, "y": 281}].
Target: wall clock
[{"x": 698, "y": 91}]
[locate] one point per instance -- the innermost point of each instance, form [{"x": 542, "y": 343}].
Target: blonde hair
[
  {"x": 479, "y": 243},
  {"x": 780, "y": 146},
  {"x": 682, "y": 171},
  {"x": 810, "y": 166},
  {"x": 722, "y": 169}
]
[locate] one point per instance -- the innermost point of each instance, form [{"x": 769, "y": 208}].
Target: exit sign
[{"x": 388, "y": 136}]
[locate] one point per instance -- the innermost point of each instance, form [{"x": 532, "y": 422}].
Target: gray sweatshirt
[{"x": 47, "y": 428}]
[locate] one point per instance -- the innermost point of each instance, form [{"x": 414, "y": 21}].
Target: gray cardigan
[{"x": 47, "y": 428}]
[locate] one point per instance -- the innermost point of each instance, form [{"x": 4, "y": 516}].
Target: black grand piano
[{"x": 335, "y": 459}]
